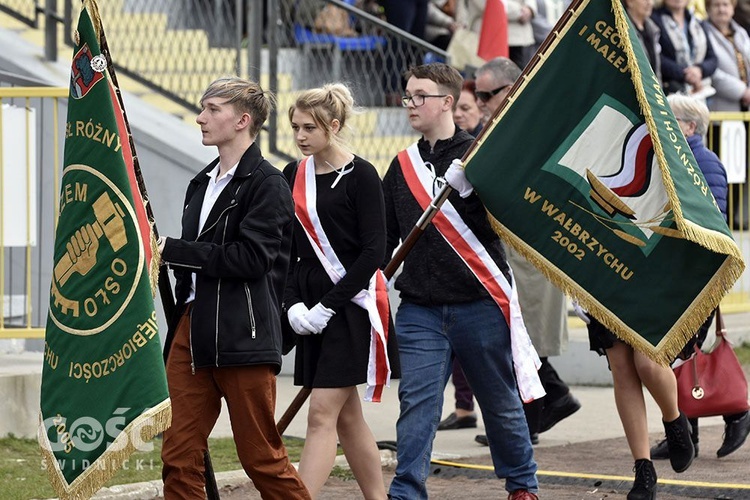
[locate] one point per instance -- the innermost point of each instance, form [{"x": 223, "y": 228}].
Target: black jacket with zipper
[{"x": 240, "y": 260}]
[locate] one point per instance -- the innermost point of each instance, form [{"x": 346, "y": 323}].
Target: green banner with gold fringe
[
  {"x": 104, "y": 392},
  {"x": 586, "y": 173}
]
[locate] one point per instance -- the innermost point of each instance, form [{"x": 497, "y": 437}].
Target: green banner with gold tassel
[
  {"x": 586, "y": 173},
  {"x": 104, "y": 392}
]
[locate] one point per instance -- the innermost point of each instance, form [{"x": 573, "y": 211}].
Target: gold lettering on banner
[
  {"x": 574, "y": 238},
  {"x": 50, "y": 357},
  {"x": 73, "y": 192},
  {"x": 674, "y": 135},
  {"x": 63, "y": 435},
  {"x": 606, "y": 41},
  {"x": 94, "y": 132},
  {"x": 100, "y": 368}
]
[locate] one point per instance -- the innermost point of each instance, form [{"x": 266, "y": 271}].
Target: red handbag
[{"x": 712, "y": 384}]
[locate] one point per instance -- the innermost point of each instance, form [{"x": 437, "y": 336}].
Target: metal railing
[
  {"x": 32, "y": 125},
  {"x": 370, "y": 57},
  {"x": 728, "y": 137},
  {"x": 24, "y": 10},
  {"x": 177, "y": 47}
]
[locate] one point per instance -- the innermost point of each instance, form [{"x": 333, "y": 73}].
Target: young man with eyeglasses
[
  {"x": 543, "y": 304},
  {"x": 445, "y": 309}
]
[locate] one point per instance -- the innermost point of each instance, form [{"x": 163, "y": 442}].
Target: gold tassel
[
  {"x": 144, "y": 428},
  {"x": 722, "y": 282},
  {"x": 153, "y": 274},
  {"x": 96, "y": 21},
  {"x": 715, "y": 241}
]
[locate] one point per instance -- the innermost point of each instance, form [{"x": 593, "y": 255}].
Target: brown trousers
[{"x": 250, "y": 392}]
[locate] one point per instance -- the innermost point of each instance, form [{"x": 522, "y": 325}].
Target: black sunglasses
[{"x": 486, "y": 96}]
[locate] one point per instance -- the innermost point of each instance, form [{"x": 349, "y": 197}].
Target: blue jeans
[{"x": 477, "y": 334}]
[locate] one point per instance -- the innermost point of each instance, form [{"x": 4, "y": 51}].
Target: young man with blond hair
[{"x": 230, "y": 264}]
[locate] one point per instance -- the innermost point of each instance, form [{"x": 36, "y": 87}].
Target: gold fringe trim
[
  {"x": 153, "y": 272},
  {"x": 96, "y": 21},
  {"x": 150, "y": 423},
  {"x": 712, "y": 240},
  {"x": 721, "y": 283},
  {"x": 715, "y": 241}
]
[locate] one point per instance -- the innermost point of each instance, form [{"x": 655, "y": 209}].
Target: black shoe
[
  {"x": 558, "y": 410},
  {"x": 644, "y": 486},
  {"x": 454, "y": 422},
  {"x": 534, "y": 438},
  {"x": 482, "y": 439},
  {"x": 735, "y": 434},
  {"x": 680, "y": 443},
  {"x": 660, "y": 451}
]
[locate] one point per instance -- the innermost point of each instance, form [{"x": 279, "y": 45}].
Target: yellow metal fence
[
  {"x": 728, "y": 137},
  {"x": 31, "y": 142}
]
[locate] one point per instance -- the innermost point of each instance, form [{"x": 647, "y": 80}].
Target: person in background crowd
[
  {"x": 543, "y": 305},
  {"x": 687, "y": 56},
  {"x": 469, "y": 13},
  {"x": 731, "y": 45},
  {"x": 445, "y": 309},
  {"x": 339, "y": 205},
  {"x": 631, "y": 371},
  {"x": 742, "y": 13},
  {"x": 467, "y": 115},
  {"x": 732, "y": 83},
  {"x": 693, "y": 118},
  {"x": 410, "y": 16},
  {"x": 521, "y": 41},
  {"x": 648, "y": 32},
  {"x": 548, "y": 12},
  {"x": 230, "y": 263},
  {"x": 440, "y": 25}
]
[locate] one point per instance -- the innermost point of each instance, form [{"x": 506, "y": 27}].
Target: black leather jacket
[{"x": 240, "y": 259}]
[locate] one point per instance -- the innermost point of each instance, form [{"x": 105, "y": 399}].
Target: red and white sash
[
  {"x": 449, "y": 224},
  {"x": 374, "y": 299}
]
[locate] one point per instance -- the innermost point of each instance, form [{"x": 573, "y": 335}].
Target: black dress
[{"x": 353, "y": 217}]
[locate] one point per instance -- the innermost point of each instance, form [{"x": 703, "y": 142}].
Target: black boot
[
  {"x": 735, "y": 434},
  {"x": 679, "y": 442},
  {"x": 644, "y": 486},
  {"x": 660, "y": 451}
]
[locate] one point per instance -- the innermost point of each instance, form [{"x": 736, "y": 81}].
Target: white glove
[
  {"x": 456, "y": 178},
  {"x": 318, "y": 317},
  {"x": 297, "y": 320},
  {"x": 581, "y": 313}
]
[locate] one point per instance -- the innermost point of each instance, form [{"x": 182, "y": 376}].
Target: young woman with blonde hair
[{"x": 332, "y": 289}]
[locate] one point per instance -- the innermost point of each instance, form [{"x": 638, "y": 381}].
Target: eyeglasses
[
  {"x": 486, "y": 96},
  {"x": 418, "y": 99}
]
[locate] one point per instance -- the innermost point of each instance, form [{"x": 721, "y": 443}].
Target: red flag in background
[{"x": 493, "y": 39}]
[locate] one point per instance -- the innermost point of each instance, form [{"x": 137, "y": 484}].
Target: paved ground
[
  {"x": 583, "y": 457},
  {"x": 598, "y": 469}
]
